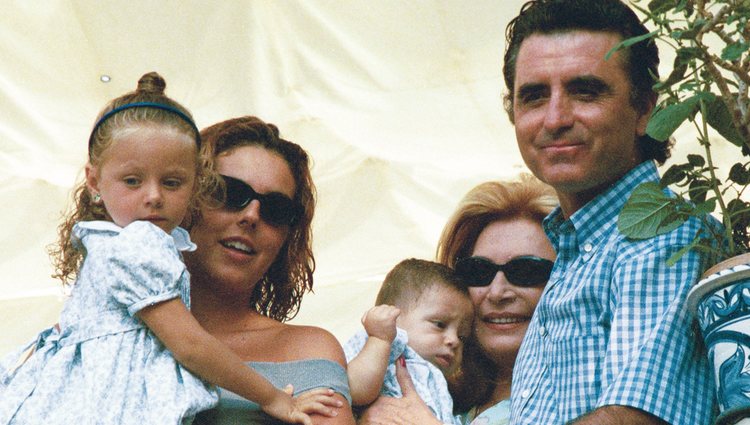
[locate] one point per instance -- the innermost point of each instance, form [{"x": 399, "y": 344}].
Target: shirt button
[
  {"x": 525, "y": 393},
  {"x": 542, "y": 331},
  {"x": 587, "y": 247}
]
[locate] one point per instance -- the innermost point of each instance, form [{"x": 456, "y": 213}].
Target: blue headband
[{"x": 161, "y": 106}]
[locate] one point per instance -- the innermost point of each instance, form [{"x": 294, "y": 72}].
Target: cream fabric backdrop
[{"x": 398, "y": 103}]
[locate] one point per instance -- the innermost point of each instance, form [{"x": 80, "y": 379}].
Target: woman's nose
[
  {"x": 251, "y": 213},
  {"x": 500, "y": 289}
]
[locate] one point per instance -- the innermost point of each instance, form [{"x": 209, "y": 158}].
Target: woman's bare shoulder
[{"x": 312, "y": 342}]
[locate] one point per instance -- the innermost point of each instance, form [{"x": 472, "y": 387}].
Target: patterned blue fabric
[
  {"x": 611, "y": 327},
  {"x": 428, "y": 379},
  {"x": 304, "y": 375},
  {"x": 104, "y": 366}
]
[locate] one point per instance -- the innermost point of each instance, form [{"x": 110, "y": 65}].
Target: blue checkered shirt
[{"x": 611, "y": 327}]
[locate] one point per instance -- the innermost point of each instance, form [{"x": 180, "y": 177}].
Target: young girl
[{"x": 126, "y": 347}]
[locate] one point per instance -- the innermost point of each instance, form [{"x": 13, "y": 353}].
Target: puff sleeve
[{"x": 141, "y": 264}]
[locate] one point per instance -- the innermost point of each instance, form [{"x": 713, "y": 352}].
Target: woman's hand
[
  {"x": 321, "y": 401},
  {"x": 407, "y": 410}
]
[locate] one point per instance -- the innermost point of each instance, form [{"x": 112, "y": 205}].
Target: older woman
[
  {"x": 253, "y": 265},
  {"x": 496, "y": 242}
]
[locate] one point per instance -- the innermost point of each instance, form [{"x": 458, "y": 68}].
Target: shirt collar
[
  {"x": 182, "y": 240},
  {"x": 594, "y": 217},
  {"x": 181, "y": 236}
]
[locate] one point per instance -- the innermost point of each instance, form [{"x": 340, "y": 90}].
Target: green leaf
[
  {"x": 706, "y": 207},
  {"x": 697, "y": 190},
  {"x": 739, "y": 175},
  {"x": 674, "y": 258},
  {"x": 739, "y": 209},
  {"x": 720, "y": 119},
  {"x": 689, "y": 34},
  {"x": 686, "y": 54},
  {"x": 648, "y": 212},
  {"x": 665, "y": 121},
  {"x": 739, "y": 13},
  {"x": 660, "y": 6},
  {"x": 674, "y": 174},
  {"x": 734, "y": 51},
  {"x": 677, "y": 74},
  {"x": 686, "y": 6},
  {"x": 696, "y": 160},
  {"x": 629, "y": 42}
]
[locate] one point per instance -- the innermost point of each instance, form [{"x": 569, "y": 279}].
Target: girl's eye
[
  {"x": 172, "y": 183},
  {"x": 131, "y": 181},
  {"x": 439, "y": 324}
]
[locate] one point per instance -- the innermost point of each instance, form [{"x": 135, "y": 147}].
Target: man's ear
[
  {"x": 645, "y": 116},
  {"x": 92, "y": 179}
]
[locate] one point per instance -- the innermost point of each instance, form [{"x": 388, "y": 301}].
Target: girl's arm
[
  {"x": 366, "y": 370},
  {"x": 208, "y": 358},
  {"x": 320, "y": 401}
]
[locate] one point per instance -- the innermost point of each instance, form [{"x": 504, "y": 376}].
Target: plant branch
[
  {"x": 714, "y": 25},
  {"x": 714, "y": 180},
  {"x": 736, "y": 104},
  {"x": 710, "y": 39}
]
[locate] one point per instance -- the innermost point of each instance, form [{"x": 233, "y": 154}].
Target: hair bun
[{"x": 151, "y": 83}]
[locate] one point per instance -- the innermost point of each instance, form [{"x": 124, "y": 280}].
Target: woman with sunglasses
[
  {"x": 254, "y": 263},
  {"x": 496, "y": 243}
]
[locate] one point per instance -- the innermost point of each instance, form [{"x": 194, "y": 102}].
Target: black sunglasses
[
  {"x": 275, "y": 208},
  {"x": 527, "y": 270}
]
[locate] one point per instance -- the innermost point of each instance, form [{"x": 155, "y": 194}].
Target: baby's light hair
[{"x": 411, "y": 278}]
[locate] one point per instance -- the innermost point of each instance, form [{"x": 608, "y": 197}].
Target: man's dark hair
[{"x": 641, "y": 60}]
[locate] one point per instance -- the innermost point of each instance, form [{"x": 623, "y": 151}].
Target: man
[{"x": 610, "y": 341}]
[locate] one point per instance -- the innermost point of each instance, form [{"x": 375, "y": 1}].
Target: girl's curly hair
[{"x": 66, "y": 257}]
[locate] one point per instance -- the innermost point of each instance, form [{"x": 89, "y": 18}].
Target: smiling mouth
[
  {"x": 238, "y": 246},
  {"x": 562, "y": 145}
]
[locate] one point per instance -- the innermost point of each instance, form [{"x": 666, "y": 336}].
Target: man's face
[{"x": 575, "y": 125}]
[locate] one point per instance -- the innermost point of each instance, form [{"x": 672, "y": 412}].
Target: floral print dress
[{"x": 102, "y": 365}]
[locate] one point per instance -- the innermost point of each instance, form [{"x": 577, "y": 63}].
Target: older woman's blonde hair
[{"x": 523, "y": 198}]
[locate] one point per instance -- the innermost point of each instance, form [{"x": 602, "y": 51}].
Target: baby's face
[{"x": 438, "y": 324}]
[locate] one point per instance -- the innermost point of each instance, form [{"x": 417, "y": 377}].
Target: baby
[{"x": 434, "y": 314}]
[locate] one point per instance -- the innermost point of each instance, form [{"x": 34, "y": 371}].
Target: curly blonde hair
[{"x": 67, "y": 258}]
